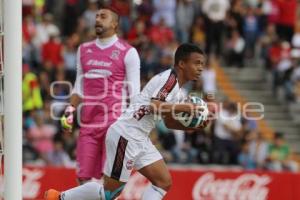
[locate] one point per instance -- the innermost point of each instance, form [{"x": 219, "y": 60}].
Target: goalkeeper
[{"x": 107, "y": 69}]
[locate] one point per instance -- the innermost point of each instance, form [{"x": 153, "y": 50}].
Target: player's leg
[
  {"x": 115, "y": 149},
  {"x": 87, "y": 151},
  {"x": 112, "y": 187},
  {"x": 87, "y": 159},
  {"x": 120, "y": 156},
  {"x": 101, "y": 155},
  {"x": 151, "y": 165},
  {"x": 87, "y": 191},
  {"x": 158, "y": 174}
]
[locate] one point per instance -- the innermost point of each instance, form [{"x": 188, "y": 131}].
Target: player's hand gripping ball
[{"x": 197, "y": 120}]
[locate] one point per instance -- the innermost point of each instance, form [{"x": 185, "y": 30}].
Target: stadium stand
[{"x": 260, "y": 68}]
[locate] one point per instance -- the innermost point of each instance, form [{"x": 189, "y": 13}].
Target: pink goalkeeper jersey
[{"x": 104, "y": 71}]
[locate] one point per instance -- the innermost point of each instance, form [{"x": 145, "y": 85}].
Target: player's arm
[
  {"x": 156, "y": 87},
  {"x": 161, "y": 107},
  {"x": 168, "y": 111},
  {"x": 77, "y": 91},
  {"x": 67, "y": 119},
  {"x": 75, "y": 100},
  {"x": 172, "y": 123},
  {"x": 133, "y": 65}
]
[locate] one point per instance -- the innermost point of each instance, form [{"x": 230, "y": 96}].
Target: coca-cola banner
[
  {"x": 37, "y": 180},
  {"x": 208, "y": 185},
  {"x": 188, "y": 184}
]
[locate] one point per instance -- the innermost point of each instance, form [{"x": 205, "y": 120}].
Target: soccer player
[
  {"x": 127, "y": 143},
  {"x": 105, "y": 66}
]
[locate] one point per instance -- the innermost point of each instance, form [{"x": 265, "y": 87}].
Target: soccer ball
[{"x": 193, "y": 121}]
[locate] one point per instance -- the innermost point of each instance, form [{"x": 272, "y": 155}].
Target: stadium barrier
[{"x": 188, "y": 184}]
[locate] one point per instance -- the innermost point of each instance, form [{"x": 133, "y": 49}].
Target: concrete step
[
  {"x": 294, "y": 145},
  {"x": 263, "y": 100},
  {"x": 296, "y": 118},
  {"x": 247, "y": 82},
  {"x": 254, "y": 84},
  {"x": 249, "y": 92},
  {"x": 285, "y": 123},
  {"x": 247, "y": 71},
  {"x": 275, "y": 108},
  {"x": 292, "y": 137},
  {"x": 258, "y": 96},
  {"x": 245, "y": 76},
  {"x": 254, "y": 77},
  {"x": 250, "y": 86},
  {"x": 289, "y": 131},
  {"x": 295, "y": 108},
  {"x": 277, "y": 116}
]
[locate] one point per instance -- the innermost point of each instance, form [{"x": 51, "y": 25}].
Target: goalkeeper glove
[{"x": 67, "y": 119}]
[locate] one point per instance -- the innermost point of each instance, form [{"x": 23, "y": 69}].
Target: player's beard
[{"x": 100, "y": 30}]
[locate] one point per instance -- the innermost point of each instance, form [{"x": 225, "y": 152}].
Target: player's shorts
[
  {"x": 90, "y": 153},
  {"x": 125, "y": 155}
]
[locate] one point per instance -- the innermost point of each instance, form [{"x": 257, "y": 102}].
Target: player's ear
[
  {"x": 181, "y": 64},
  {"x": 115, "y": 21},
  {"x": 115, "y": 24}
]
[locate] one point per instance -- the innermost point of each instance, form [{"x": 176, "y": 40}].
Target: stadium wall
[{"x": 194, "y": 184}]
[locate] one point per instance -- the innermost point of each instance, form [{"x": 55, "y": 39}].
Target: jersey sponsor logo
[
  {"x": 115, "y": 54},
  {"x": 97, "y": 73},
  {"x": 101, "y": 63}
]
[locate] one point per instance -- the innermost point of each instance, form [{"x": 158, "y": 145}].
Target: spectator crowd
[{"x": 232, "y": 32}]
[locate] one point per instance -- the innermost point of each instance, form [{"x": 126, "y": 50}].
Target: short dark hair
[
  {"x": 184, "y": 51},
  {"x": 107, "y": 6}
]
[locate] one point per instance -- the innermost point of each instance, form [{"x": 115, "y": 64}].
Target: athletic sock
[
  {"x": 153, "y": 193},
  {"x": 87, "y": 191}
]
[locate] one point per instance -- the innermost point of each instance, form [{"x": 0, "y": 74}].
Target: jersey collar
[{"x": 106, "y": 42}]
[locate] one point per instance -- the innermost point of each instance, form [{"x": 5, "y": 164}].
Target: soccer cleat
[{"x": 52, "y": 195}]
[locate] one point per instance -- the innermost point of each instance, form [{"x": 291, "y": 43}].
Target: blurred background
[{"x": 253, "y": 50}]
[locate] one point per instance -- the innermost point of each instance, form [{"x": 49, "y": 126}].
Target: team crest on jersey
[
  {"x": 129, "y": 165},
  {"x": 89, "y": 51},
  {"x": 115, "y": 54}
]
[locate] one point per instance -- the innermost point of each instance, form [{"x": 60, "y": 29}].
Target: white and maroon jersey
[
  {"x": 102, "y": 71},
  {"x": 137, "y": 121}
]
